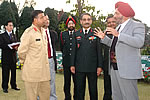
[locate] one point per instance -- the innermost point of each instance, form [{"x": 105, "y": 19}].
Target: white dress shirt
[
  {"x": 122, "y": 26},
  {"x": 87, "y": 30},
  {"x": 49, "y": 41}
]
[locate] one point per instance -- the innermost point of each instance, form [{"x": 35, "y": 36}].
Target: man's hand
[
  {"x": 99, "y": 70},
  {"x": 72, "y": 68},
  {"x": 112, "y": 31},
  {"x": 98, "y": 32}
]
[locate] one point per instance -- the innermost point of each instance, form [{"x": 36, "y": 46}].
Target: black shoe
[
  {"x": 5, "y": 90},
  {"x": 17, "y": 89}
]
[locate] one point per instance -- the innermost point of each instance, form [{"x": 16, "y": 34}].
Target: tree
[
  {"x": 15, "y": 11},
  {"x": 81, "y": 7},
  {"x": 25, "y": 19},
  {"x": 16, "y": 15},
  {"x": 6, "y": 13},
  {"x": 52, "y": 14}
]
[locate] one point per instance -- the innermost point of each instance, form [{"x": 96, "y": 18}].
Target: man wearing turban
[
  {"x": 125, "y": 58},
  {"x": 66, "y": 48}
]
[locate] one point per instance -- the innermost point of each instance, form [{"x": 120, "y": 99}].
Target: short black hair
[
  {"x": 85, "y": 14},
  {"x": 109, "y": 16},
  {"x": 9, "y": 21},
  {"x": 35, "y": 13}
]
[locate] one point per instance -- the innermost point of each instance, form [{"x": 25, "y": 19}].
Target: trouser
[
  {"x": 67, "y": 83},
  {"x": 107, "y": 86},
  {"x": 123, "y": 89},
  {"x": 5, "y": 75},
  {"x": 34, "y": 89},
  {"x": 52, "y": 82},
  {"x": 81, "y": 84}
]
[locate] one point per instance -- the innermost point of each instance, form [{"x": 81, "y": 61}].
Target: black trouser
[
  {"x": 107, "y": 86},
  {"x": 5, "y": 75},
  {"x": 81, "y": 84},
  {"x": 67, "y": 83}
]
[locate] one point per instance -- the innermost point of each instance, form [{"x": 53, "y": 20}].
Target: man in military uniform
[
  {"x": 66, "y": 48},
  {"x": 33, "y": 54},
  {"x": 110, "y": 22},
  {"x": 86, "y": 58}
]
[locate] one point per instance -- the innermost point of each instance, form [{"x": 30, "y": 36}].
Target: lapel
[
  {"x": 7, "y": 36},
  {"x": 90, "y": 33},
  {"x": 68, "y": 35},
  {"x": 125, "y": 29},
  {"x": 126, "y": 26},
  {"x": 81, "y": 33}
]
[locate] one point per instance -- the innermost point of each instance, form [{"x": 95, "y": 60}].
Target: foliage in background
[
  {"x": 145, "y": 50},
  {"x": 52, "y": 14},
  {"x": 25, "y": 19},
  {"x": 6, "y": 13},
  {"x": 82, "y": 6}
]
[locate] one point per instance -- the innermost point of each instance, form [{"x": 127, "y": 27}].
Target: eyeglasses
[{"x": 86, "y": 19}]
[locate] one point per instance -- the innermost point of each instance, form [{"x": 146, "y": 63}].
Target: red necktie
[{"x": 49, "y": 49}]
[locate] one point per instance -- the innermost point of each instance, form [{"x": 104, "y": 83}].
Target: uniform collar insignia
[
  {"x": 34, "y": 28},
  {"x": 80, "y": 30}
]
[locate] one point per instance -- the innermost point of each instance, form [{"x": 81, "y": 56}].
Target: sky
[{"x": 141, "y": 7}]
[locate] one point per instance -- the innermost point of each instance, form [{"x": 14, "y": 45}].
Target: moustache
[{"x": 86, "y": 23}]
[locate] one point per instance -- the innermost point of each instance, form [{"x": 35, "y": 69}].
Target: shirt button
[{"x": 70, "y": 48}]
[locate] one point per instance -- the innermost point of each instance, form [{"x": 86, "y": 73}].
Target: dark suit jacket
[
  {"x": 54, "y": 38},
  {"x": 106, "y": 56},
  {"x": 86, "y": 52},
  {"x": 65, "y": 48},
  {"x": 8, "y": 55}
]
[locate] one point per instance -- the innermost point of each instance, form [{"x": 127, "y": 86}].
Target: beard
[{"x": 71, "y": 28}]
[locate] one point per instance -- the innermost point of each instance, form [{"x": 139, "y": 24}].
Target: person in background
[
  {"x": 52, "y": 39},
  {"x": 66, "y": 48},
  {"x": 8, "y": 57},
  {"x": 110, "y": 22},
  {"x": 86, "y": 58},
  {"x": 125, "y": 57},
  {"x": 33, "y": 54}
]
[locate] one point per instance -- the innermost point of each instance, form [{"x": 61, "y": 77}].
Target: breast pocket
[{"x": 37, "y": 43}]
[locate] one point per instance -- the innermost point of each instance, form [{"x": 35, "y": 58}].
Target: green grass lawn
[{"x": 144, "y": 89}]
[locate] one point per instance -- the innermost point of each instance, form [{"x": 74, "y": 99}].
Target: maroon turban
[{"x": 125, "y": 9}]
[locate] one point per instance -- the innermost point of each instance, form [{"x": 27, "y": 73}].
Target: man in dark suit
[
  {"x": 52, "y": 39},
  {"x": 66, "y": 48},
  {"x": 86, "y": 58},
  {"x": 110, "y": 22},
  {"x": 8, "y": 57}
]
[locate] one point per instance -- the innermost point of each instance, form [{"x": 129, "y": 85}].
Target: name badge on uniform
[{"x": 38, "y": 39}]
